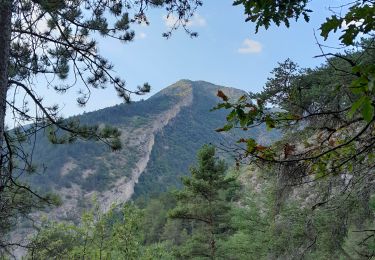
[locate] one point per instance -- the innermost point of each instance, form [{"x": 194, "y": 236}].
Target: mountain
[{"x": 160, "y": 136}]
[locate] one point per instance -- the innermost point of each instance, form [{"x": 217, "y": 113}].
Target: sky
[{"x": 227, "y": 52}]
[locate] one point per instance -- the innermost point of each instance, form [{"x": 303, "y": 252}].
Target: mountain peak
[
  {"x": 186, "y": 86},
  {"x": 183, "y": 81}
]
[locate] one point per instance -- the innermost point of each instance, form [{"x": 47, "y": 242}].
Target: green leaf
[
  {"x": 367, "y": 110},
  {"x": 251, "y": 145},
  {"x": 220, "y": 106},
  {"x": 355, "y": 106},
  {"x": 371, "y": 84},
  {"x": 242, "y": 117},
  {"x": 231, "y": 115},
  {"x": 225, "y": 128},
  {"x": 332, "y": 23},
  {"x": 270, "y": 123}
]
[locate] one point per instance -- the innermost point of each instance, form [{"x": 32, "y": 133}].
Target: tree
[
  {"x": 327, "y": 113},
  {"x": 204, "y": 201},
  {"x": 320, "y": 144},
  {"x": 251, "y": 218},
  {"x": 115, "y": 234},
  {"x": 337, "y": 110},
  {"x": 358, "y": 20},
  {"x": 55, "y": 41}
]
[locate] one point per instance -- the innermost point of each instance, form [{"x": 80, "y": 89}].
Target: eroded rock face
[
  {"x": 124, "y": 187},
  {"x": 140, "y": 139}
]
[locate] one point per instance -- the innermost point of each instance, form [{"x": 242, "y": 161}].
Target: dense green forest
[
  {"x": 197, "y": 171},
  {"x": 248, "y": 223},
  {"x": 261, "y": 210},
  {"x": 175, "y": 147},
  {"x": 90, "y": 167}
]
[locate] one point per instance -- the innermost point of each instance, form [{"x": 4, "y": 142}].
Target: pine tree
[
  {"x": 57, "y": 41},
  {"x": 204, "y": 201}
]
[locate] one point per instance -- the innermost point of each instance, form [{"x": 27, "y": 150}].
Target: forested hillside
[
  {"x": 176, "y": 145},
  {"x": 160, "y": 136},
  {"x": 264, "y": 210},
  {"x": 283, "y": 170}
]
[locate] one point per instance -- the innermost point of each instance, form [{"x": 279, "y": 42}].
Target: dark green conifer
[{"x": 204, "y": 201}]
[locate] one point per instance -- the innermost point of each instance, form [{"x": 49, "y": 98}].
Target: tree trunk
[
  {"x": 213, "y": 247},
  {"x": 212, "y": 240},
  {"x": 5, "y": 39}
]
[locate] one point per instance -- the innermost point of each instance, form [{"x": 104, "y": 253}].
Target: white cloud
[
  {"x": 250, "y": 46},
  {"x": 140, "y": 36},
  {"x": 195, "y": 21},
  {"x": 198, "y": 21},
  {"x": 170, "y": 20}
]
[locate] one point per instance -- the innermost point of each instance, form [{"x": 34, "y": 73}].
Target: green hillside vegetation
[
  {"x": 205, "y": 171},
  {"x": 260, "y": 211},
  {"x": 264, "y": 210},
  {"x": 250, "y": 224},
  {"x": 175, "y": 147},
  {"x": 76, "y": 169},
  {"x": 89, "y": 155}
]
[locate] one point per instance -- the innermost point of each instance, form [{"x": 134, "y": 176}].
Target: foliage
[
  {"x": 155, "y": 216},
  {"x": 17, "y": 203},
  {"x": 357, "y": 20},
  {"x": 251, "y": 219},
  {"x": 327, "y": 153},
  {"x": 264, "y": 12},
  {"x": 104, "y": 167},
  {"x": 269, "y": 224},
  {"x": 330, "y": 121},
  {"x": 110, "y": 235},
  {"x": 259, "y": 223},
  {"x": 347, "y": 103},
  {"x": 55, "y": 43},
  {"x": 204, "y": 201},
  {"x": 175, "y": 147}
]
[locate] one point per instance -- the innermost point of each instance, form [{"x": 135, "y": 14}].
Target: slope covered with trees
[
  {"x": 175, "y": 147},
  {"x": 54, "y": 44},
  {"x": 218, "y": 214},
  {"x": 308, "y": 196},
  {"x": 160, "y": 137},
  {"x": 290, "y": 210}
]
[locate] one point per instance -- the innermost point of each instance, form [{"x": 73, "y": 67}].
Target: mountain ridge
[
  {"x": 85, "y": 168},
  {"x": 160, "y": 136}
]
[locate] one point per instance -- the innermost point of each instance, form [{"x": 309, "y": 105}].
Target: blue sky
[{"x": 227, "y": 52}]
